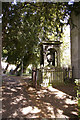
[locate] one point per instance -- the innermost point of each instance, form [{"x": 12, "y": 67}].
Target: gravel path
[{"x": 23, "y": 101}]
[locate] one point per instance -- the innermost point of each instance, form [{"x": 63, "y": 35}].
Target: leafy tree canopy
[{"x": 27, "y": 24}]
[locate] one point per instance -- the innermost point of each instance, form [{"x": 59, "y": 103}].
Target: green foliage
[
  {"x": 77, "y": 81},
  {"x": 79, "y": 107},
  {"x": 24, "y": 26},
  {"x": 27, "y": 24}
]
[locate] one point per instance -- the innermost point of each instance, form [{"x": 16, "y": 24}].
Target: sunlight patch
[
  {"x": 52, "y": 89},
  {"x": 18, "y": 88},
  {"x": 16, "y": 100},
  {"x": 31, "y": 89},
  {"x": 26, "y": 110},
  {"x": 60, "y": 111},
  {"x": 13, "y": 90},
  {"x": 69, "y": 101},
  {"x": 47, "y": 103},
  {"x": 75, "y": 113},
  {"x": 66, "y": 106},
  {"x": 15, "y": 114},
  {"x": 30, "y": 109},
  {"x": 19, "y": 98},
  {"x": 13, "y": 103},
  {"x": 37, "y": 98},
  {"x": 8, "y": 93},
  {"x": 0, "y": 111},
  {"x": 45, "y": 91},
  {"x": 59, "y": 94},
  {"x": 50, "y": 109},
  {"x": 42, "y": 91},
  {"x": 39, "y": 92},
  {"x": 35, "y": 110},
  {"x": 24, "y": 101}
]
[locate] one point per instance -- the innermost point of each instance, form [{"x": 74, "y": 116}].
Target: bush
[{"x": 77, "y": 81}]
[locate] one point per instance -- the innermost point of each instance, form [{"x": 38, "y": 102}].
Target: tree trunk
[
  {"x": 24, "y": 70},
  {"x": 6, "y": 68},
  {"x": 34, "y": 77},
  {"x": 41, "y": 56},
  {"x": 17, "y": 68}
]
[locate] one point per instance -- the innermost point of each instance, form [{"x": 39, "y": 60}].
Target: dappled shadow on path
[{"x": 22, "y": 101}]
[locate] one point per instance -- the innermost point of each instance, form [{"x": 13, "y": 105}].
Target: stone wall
[{"x": 75, "y": 44}]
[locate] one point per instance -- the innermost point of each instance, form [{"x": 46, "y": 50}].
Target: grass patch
[{"x": 79, "y": 106}]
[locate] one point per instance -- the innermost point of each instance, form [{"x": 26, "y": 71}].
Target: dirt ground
[{"x": 20, "y": 100}]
